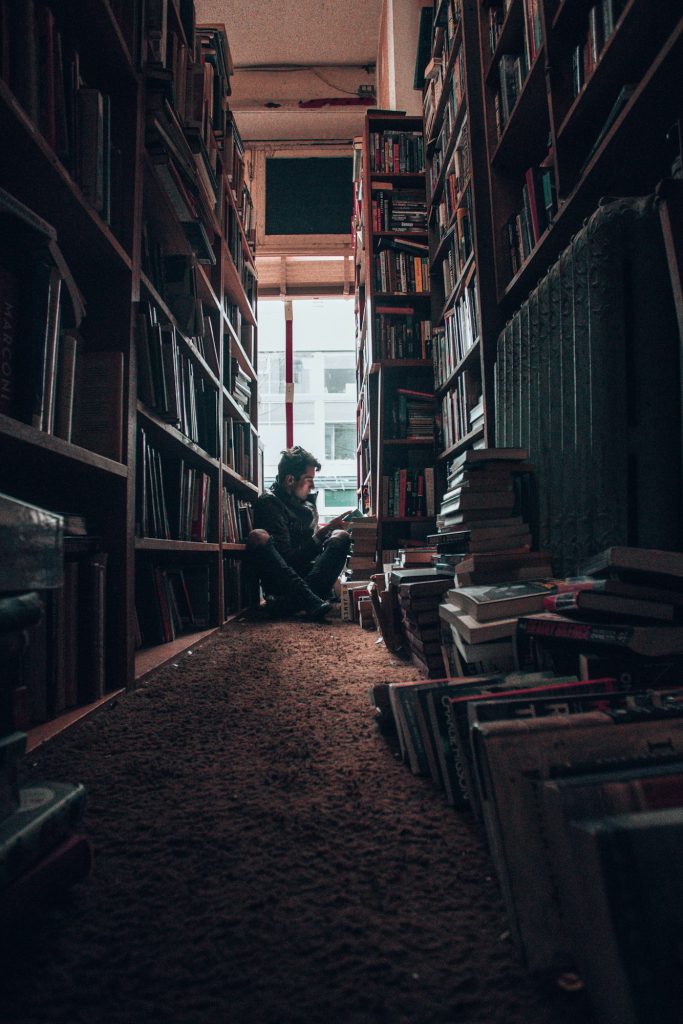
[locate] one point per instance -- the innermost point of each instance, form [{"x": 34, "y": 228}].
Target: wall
[{"x": 397, "y": 49}]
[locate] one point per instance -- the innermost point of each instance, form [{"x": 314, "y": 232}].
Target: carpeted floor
[{"x": 263, "y": 858}]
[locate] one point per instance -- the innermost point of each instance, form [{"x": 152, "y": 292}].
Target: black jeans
[{"x": 293, "y": 590}]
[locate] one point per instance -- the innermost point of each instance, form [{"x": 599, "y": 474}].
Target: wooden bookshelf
[
  {"x": 582, "y": 115},
  {"x": 464, "y": 315},
  {"x": 595, "y": 123},
  {"x": 393, "y": 327},
  {"x": 147, "y": 278}
]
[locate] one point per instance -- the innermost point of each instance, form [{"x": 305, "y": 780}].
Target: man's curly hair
[{"x": 296, "y": 461}]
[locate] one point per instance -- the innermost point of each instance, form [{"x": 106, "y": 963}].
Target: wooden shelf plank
[
  {"x": 461, "y": 445},
  {"x": 40, "y": 734},
  {"x": 188, "y": 447},
  {"x": 14, "y": 433},
  {"x": 149, "y": 659},
  {"x": 180, "y": 546}
]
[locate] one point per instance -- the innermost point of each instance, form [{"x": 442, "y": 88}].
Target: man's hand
[{"x": 334, "y": 524}]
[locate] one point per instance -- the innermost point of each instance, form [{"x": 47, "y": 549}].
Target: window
[
  {"x": 304, "y": 412},
  {"x": 340, "y": 498},
  {"x": 340, "y": 440},
  {"x": 340, "y": 372},
  {"x": 303, "y": 366},
  {"x": 272, "y": 372},
  {"x": 340, "y": 412}
]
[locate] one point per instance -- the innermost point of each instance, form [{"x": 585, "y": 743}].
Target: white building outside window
[{"x": 324, "y": 393}]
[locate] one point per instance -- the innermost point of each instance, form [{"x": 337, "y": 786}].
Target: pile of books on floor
[
  {"x": 625, "y": 614},
  {"x": 479, "y": 624},
  {"x": 577, "y": 782},
  {"x": 418, "y": 601},
  {"x": 362, "y": 560},
  {"x": 483, "y": 521},
  {"x": 415, "y": 556}
]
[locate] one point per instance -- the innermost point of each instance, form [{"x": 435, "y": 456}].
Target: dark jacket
[{"x": 291, "y": 523}]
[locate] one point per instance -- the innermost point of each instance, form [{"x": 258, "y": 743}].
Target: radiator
[{"x": 587, "y": 378}]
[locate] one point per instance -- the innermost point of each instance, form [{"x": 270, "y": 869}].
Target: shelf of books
[
  {"x": 128, "y": 303},
  {"x": 396, "y": 407},
  {"x": 597, "y": 121},
  {"x": 463, "y": 315},
  {"x": 196, "y": 350}
]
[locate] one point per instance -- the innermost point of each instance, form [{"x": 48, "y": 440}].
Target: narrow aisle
[{"x": 262, "y": 858}]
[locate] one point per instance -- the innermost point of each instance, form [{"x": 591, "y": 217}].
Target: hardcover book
[
  {"x": 513, "y": 760},
  {"x": 47, "y": 813},
  {"x": 632, "y": 893},
  {"x": 501, "y": 601}
]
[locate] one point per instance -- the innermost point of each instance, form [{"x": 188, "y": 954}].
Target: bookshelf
[
  {"x": 464, "y": 314},
  {"x": 579, "y": 101},
  {"x": 127, "y": 254},
  {"x": 582, "y": 114},
  {"x": 395, "y": 418}
]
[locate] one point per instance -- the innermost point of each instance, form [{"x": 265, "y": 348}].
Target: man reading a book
[{"x": 297, "y": 559}]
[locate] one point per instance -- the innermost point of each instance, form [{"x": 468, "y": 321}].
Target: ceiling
[{"x": 288, "y": 51}]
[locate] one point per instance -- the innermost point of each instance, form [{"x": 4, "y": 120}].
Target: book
[
  {"x": 449, "y": 767},
  {"x": 629, "y": 788},
  {"x": 625, "y": 93},
  {"x": 91, "y": 673},
  {"x": 564, "y": 696},
  {"x": 500, "y": 601},
  {"x": 47, "y": 813},
  {"x": 473, "y": 632},
  {"x": 631, "y": 893},
  {"x": 65, "y": 385},
  {"x": 98, "y": 412},
  {"x": 477, "y": 456},
  {"x": 643, "y": 563},
  {"x": 615, "y": 606},
  {"x": 649, "y": 640},
  {"x": 514, "y": 758}
]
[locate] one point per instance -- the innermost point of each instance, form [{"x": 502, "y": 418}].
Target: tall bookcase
[
  {"x": 534, "y": 111},
  {"x": 129, "y": 395},
  {"x": 464, "y": 313},
  {"x": 396, "y": 449}
]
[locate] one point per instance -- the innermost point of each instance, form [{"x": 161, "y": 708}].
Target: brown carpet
[{"x": 263, "y": 858}]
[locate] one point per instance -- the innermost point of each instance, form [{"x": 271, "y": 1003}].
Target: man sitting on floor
[{"x": 297, "y": 560}]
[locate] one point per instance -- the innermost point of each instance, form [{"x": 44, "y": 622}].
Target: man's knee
[
  {"x": 257, "y": 539},
  {"x": 340, "y": 539}
]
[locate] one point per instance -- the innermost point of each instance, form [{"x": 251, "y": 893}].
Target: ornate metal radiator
[{"x": 588, "y": 378}]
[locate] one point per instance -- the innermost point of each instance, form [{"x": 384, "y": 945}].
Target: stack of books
[
  {"x": 484, "y": 520},
  {"x": 481, "y": 624},
  {"x": 362, "y": 561},
  {"x": 419, "y": 606},
  {"x": 240, "y": 385},
  {"x": 581, "y": 755},
  {"x": 624, "y": 614},
  {"x": 414, "y": 556}
]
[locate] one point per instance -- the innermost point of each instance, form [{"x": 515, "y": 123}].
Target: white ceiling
[{"x": 298, "y": 50}]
